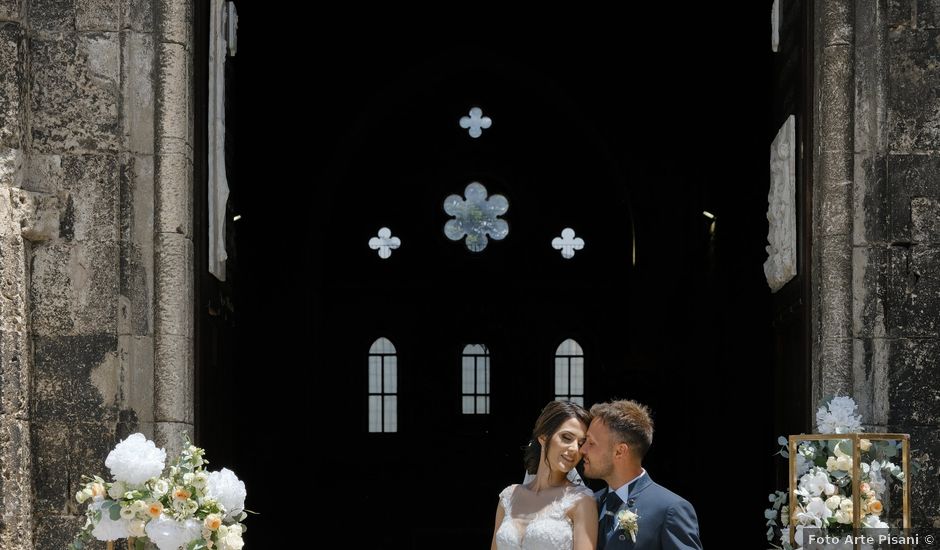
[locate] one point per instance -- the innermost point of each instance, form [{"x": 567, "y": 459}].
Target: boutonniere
[{"x": 627, "y": 521}]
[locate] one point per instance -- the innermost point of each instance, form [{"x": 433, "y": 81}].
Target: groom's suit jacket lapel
[{"x": 633, "y": 497}]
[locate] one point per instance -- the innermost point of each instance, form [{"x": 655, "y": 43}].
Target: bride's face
[{"x": 564, "y": 450}]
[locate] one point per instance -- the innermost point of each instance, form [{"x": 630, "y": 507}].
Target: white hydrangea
[
  {"x": 225, "y": 487},
  {"x": 169, "y": 534},
  {"x": 135, "y": 460},
  {"x": 838, "y": 417},
  {"x": 107, "y": 528}
]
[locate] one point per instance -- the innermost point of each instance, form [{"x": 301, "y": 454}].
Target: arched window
[
  {"x": 569, "y": 372},
  {"x": 475, "y": 373},
  {"x": 383, "y": 387}
]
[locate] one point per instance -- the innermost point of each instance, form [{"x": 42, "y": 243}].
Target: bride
[{"x": 552, "y": 509}]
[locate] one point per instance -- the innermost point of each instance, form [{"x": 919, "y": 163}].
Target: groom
[{"x": 659, "y": 519}]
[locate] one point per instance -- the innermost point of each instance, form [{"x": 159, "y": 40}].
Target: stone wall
[
  {"x": 95, "y": 229},
  {"x": 877, "y": 221}
]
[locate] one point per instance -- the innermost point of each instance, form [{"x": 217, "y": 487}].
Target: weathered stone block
[
  {"x": 925, "y": 220},
  {"x": 925, "y": 491},
  {"x": 74, "y": 94},
  {"x": 138, "y": 92},
  {"x": 16, "y": 491},
  {"x": 89, "y": 445},
  {"x": 174, "y": 21},
  {"x": 835, "y": 210},
  {"x": 76, "y": 378},
  {"x": 11, "y": 10},
  {"x": 36, "y": 213},
  {"x": 173, "y": 383},
  {"x": 871, "y": 357},
  {"x": 835, "y": 272},
  {"x": 50, "y": 446},
  {"x": 913, "y": 392},
  {"x": 913, "y": 91},
  {"x": 44, "y": 173},
  {"x": 58, "y": 531},
  {"x": 169, "y": 435},
  {"x": 173, "y": 115},
  {"x": 909, "y": 177},
  {"x": 138, "y": 15},
  {"x": 838, "y": 22},
  {"x": 92, "y": 185},
  {"x": 913, "y": 14},
  {"x": 173, "y": 285},
  {"x": 11, "y": 74},
  {"x": 97, "y": 15},
  {"x": 137, "y": 245},
  {"x": 870, "y": 280},
  {"x": 868, "y": 196},
  {"x": 137, "y": 363},
  {"x": 835, "y": 366},
  {"x": 174, "y": 195},
  {"x": 74, "y": 288},
  {"x": 836, "y": 168},
  {"x": 913, "y": 291},
  {"x": 836, "y": 99},
  {"x": 52, "y": 15}
]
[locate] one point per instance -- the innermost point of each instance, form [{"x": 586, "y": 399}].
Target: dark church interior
[{"x": 647, "y": 132}]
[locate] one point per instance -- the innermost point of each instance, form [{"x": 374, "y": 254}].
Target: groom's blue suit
[{"x": 666, "y": 520}]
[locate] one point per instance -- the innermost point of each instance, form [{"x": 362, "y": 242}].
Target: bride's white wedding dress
[{"x": 538, "y": 521}]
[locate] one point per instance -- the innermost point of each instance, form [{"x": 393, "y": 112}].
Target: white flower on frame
[{"x": 135, "y": 460}]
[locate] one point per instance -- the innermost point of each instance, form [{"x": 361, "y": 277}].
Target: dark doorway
[{"x": 624, "y": 131}]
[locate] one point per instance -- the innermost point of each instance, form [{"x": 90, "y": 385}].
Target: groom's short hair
[{"x": 630, "y": 422}]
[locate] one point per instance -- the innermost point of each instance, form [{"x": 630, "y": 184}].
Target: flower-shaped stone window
[{"x": 475, "y": 217}]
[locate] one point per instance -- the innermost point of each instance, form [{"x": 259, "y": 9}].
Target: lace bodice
[{"x": 529, "y": 524}]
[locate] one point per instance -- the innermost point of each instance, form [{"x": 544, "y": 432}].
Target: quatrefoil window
[
  {"x": 476, "y": 122},
  {"x": 476, "y": 217},
  {"x": 567, "y": 243}
]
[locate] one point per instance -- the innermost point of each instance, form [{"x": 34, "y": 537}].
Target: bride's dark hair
[{"x": 553, "y": 415}]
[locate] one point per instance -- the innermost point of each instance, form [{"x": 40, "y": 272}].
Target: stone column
[
  {"x": 16, "y": 502},
  {"x": 833, "y": 195},
  {"x": 173, "y": 240}
]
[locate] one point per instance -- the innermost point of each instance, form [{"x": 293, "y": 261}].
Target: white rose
[
  {"x": 843, "y": 517},
  {"x": 831, "y": 489},
  {"x": 192, "y": 506},
  {"x": 83, "y": 495},
  {"x": 138, "y": 506},
  {"x": 117, "y": 490},
  {"x": 160, "y": 487},
  {"x": 844, "y": 463},
  {"x": 135, "y": 460},
  {"x": 864, "y": 444},
  {"x": 833, "y": 502},
  {"x": 225, "y": 487},
  {"x": 188, "y": 478},
  {"x": 200, "y": 480},
  {"x": 128, "y": 513}
]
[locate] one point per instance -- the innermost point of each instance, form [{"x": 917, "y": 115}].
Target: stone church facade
[{"x": 97, "y": 248}]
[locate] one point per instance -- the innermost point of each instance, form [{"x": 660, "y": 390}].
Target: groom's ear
[{"x": 622, "y": 449}]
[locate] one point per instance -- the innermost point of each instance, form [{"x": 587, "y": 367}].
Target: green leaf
[
  {"x": 115, "y": 511},
  {"x": 140, "y": 544}
]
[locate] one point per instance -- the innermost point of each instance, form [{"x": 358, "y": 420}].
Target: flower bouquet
[
  {"x": 840, "y": 481},
  {"x": 187, "y": 508}
]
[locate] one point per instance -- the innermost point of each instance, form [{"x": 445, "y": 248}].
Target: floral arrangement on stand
[
  {"x": 824, "y": 473},
  {"x": 187, "y": 508}
]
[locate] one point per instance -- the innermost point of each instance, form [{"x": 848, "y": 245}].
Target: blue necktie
[{"x": 611, "y": 503}]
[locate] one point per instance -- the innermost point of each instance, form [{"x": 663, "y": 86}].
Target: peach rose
[
  {"x": 875, "y": 507},
  {"x": 213, "y": 521},
  {"x": 155, "y": 509}
]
